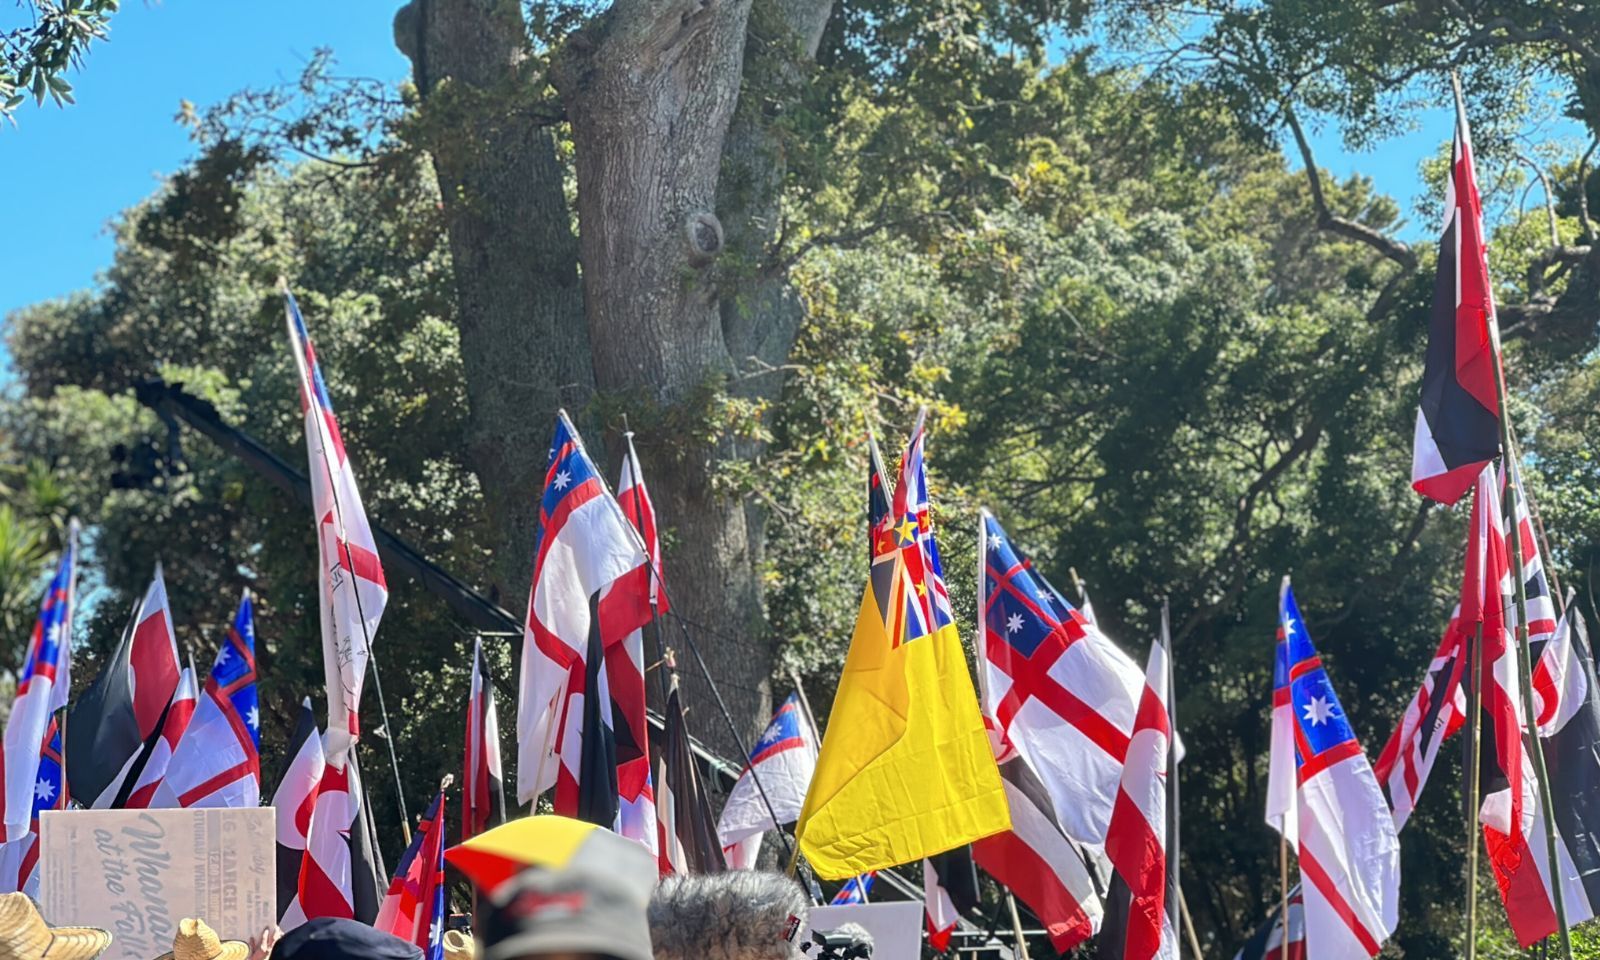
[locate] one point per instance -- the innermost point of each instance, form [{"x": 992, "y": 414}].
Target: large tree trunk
[
  {"x": 650, "y": 89},
  {"x": 524, "y": 344}
]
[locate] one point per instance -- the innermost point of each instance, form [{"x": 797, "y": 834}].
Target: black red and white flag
[
  {"x": 120, "y": 715},
  {"x": 1141, "y": 920},
  {"x": 483, "y": 796},
  {"x": 1458, "y": 425},
  {"x": 294, "y": 801},
  {"x": 949, "y": 889},
  {"x": 688, "y": 841},
  {"x": 1036, "y": 860},
  {"x": 625, "y": 664}
]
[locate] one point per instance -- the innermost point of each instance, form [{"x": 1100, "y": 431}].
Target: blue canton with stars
[
  {"x": 569, "y": 469},
  {"x": 783, "y": 733},
  {"x": 1023, "y": 609},
  {"x": 234, "y": 670},
  {"x": 1320, "y": 721}
]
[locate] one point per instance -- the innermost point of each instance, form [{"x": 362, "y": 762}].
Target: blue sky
[{"x": 68, "y": 172}]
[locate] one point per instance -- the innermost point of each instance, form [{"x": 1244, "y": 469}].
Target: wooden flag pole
[
  {"x": 1016, "y": 926},
  {"x": 1188, "y": 924},
  {"x": 1474, "y": 765}
]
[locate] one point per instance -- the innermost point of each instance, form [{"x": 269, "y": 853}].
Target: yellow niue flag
[{"x": 905, "y": 770}]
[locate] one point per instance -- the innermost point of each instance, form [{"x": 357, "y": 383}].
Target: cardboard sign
[
  {"x": 896, "y": 927},
  {"x": 137, "y": 873}
]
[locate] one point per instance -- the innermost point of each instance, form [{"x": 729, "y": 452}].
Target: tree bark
[
  {"x": 650, "y": 91},
  {"x": 524, "y": 343}
]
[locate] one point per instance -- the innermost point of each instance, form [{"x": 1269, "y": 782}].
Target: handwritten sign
[
  {"x": 137, "y": 873},
  {"x": 896, "y": 927}
]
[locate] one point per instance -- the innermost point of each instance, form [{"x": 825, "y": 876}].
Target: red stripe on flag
[{"x": 1313, "y": 872}]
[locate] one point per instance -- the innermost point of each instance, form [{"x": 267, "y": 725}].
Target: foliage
[{"x": 35, "y": 56}]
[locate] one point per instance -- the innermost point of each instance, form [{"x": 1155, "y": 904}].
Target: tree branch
[{"x": 1389, "y": 247}]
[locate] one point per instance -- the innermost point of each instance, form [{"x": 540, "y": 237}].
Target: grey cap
[{"x": 581, "y": 908}]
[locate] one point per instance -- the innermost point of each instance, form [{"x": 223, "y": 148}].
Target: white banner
[{"x": 137, "y": 873}]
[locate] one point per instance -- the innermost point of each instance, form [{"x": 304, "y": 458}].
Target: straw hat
[
  {"x": 459, "y": 946},
  {"x": 25, "y": 936},
  {"x": 197, "y": 941}
]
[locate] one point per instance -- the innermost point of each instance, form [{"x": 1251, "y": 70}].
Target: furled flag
[
  {"x": 113, "y": 721},
  {"x": 1458, "y": 425},
  {"x": 19, "y": 859},
  {"x": 294, "y": 801},
  {"x": 1435, "y": 713},
  {"x": 413, "y": 908},
  {"x": 949, "y": 889},
  {"x": 339, "y": 871},
  {"x": 584, "y": 544},
  {"x": 688, "y": 835},
  {"x": 1349, "y": 854},
  {"x": 586, "y": 786},
  {"x": 42, "y": 689},
  {"x": 784, "y": 758},
  {"x": 1568, "y": 720},
  {"x": 1038, "y": 862},
  {"x": 1142, "y": 906},
  {"x": 483, "y": 794},
  {"x": 905, "y": 712},
  {"x": 855, "y": 890},
  {"x": 1267, "y": 942},
  {"x": 879, "y": 537},
  {"x": 352, "y": 592},
  {"x": 152, "y": 772},
  {"x": 1569, "y": 734},
  {"x": 1059, "y": 692},
  {"x": 625, "y": 664},
  {"x": 218, "y": 761}
]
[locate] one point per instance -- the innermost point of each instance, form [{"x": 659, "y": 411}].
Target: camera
[{"x": 843, "y": 943}]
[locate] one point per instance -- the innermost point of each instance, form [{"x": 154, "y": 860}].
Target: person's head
[
  {"x": 583, "y": 911},
  {"x": 25, "y": 936},
  {"x": 331, "y": 938},
  {"x": 195, "y": 940},
  {"x": 741, "y": 915}
]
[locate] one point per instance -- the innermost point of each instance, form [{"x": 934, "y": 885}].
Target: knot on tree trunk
[{"x": 702, "y": 237}]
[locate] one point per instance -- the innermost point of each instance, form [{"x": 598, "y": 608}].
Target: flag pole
[
  {"x": 1474, "y": 783},
  {"x": 1283, "y": 891},
  {"x": 1530, "y": 715},
  {"x": 1016, "y": 926}
]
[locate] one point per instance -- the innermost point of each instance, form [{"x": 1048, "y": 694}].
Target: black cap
[
  {"x": 333, "y": 938},
  {"x": 578, "y": 909}
]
